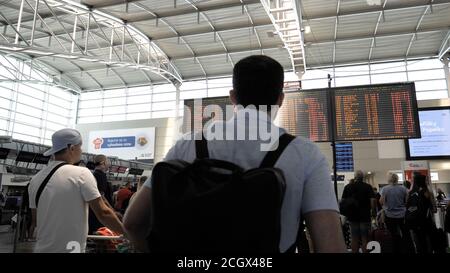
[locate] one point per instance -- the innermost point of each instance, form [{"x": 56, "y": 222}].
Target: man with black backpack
[{"x": 212, "y": 196}]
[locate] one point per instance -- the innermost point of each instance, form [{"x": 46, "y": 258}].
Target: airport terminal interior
[{"x": 366, "y": 80}]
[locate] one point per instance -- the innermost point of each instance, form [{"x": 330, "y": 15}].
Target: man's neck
[{"x": 100, "y": 169}]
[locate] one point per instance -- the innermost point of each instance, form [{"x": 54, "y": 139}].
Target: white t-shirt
[
  {"x": 62, "y": 214},
  {"x": 308, "y": 179}
]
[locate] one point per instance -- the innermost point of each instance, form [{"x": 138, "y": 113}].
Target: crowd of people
[
  {"x": 405, "y": 210},
  {"x": 63, "y": 196}
]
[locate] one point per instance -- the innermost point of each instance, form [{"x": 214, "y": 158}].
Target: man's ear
[{"x": 233, "y": 97}]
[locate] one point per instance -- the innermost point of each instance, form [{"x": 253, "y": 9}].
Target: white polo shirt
[
  {"x": 62, "y": 213},
  {"x": 308, "y": 180}
]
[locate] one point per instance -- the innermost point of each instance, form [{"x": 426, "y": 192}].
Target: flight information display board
[
  {"x": 387, "y": 111},
  {"x": 306, "y": 114},
  {"x": 199, "y": 118},
  {"x": 344, "y": 157}
]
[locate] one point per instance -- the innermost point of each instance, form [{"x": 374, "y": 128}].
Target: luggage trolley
[{"x": 108, "y": 244}]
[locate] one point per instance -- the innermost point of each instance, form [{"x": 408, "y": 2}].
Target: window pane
[
  {"x": 3, "y": 125},
  {"x": 426, "y": 75},
  {"x": 163, "y": 114},
  {"x": 139, "y": 99},
  {"x": 163, "y": 88},
  {"x": 90, "y": 103},
  {"x": 312, "y": 84},
  {"x": 431, "y": 85},
  {"x": 82, "y": 120},
  {"x": 25, "y": 109},
  {"x": 351, "y": 70},
  {"x": 195, "y": 85},
  {"x": 5, "y": 93},
  {"x": 25, "y": 137},
  {"x": 114, "y": 110},
  {"x": 114, "y": 101},
  {"x": 29, "y": 100},
  {"x": 389, "y": 78},
  {"x": 59, "y": 101},
  {"x": 90, "y": 112},
  {"x": 55, "y": 109},
  {"x": 91, "y": 95},
  {"x": 26, "y": 129},
  {"x": 4, "y": 113},
  {"x": 114, "y": 118},
  {"x": 164, "y": 97},
  {"x": 139, "y": 116},
  {"x": 228, "y": 82},
  {"x": 5, "y": 103},
  {"x": 32, "y": 90},
  {"x": 432, "y": 95},
  {"x": 163, "y": 106},
  {"x": 57, "y": 119},
  {"x": 54, "y": 126},
  {"x": 192, "y": 94},
  {"x": 424, "y": 64},
  {"x": 28, "y": 119},
  {"x": 355, "y": 80},
  {"x": 138, "y": 108},
  {"x": 115, "y": 93},
  {"x": 218, "y": 92},
  {"x": 387, "y": 67},
  {"x": 142, "y": 90},
  {"x": 316, "y": 74}
]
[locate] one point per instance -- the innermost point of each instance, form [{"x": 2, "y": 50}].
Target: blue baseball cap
[{"x": 62, "y": 139}]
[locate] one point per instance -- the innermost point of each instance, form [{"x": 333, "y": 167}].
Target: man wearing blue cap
[{"x": 60, "y": 195}]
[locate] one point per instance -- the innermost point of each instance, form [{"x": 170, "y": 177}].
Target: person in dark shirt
[
  {"x": 104, "y": 187},
  {"x": 377, "y": 198},
  {"x": 361, "y": 217}
]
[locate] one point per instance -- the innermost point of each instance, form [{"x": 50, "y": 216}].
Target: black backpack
[
  {"x": 349, "y": 207},
  {"x": 417, "y": 211},
  {"x": 214, "y": 206}
]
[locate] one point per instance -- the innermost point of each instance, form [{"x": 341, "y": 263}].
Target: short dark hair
[
  {"x": 258, "y": 80},
  {"x": 420, "y": 180}
]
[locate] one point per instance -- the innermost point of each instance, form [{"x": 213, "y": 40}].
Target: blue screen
[{"x": 435, "y": 130}]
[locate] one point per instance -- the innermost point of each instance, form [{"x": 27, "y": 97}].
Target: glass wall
[
  {"x": 160, "y": 100},
  {"x": 31, "y": 107}
]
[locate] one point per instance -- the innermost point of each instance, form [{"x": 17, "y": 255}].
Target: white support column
[
  {"x": 86, "y": 42},
  {"x": 19, "y": 22},
  {"x": 447, "y": 72},
  {"x": 74, "y": 33},
  {"x": 34, "y": 21}
]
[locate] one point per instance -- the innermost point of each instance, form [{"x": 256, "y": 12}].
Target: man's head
[
  {"x": 257, "y": 80},
  {"x": 66, "y": 145},
  {"x": 359, "y": 176},
  {"x": 393, "y": 178},
  {"x": 101, "y": 162}
]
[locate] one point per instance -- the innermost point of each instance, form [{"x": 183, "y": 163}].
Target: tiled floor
[{"x": 7, "y": 242}]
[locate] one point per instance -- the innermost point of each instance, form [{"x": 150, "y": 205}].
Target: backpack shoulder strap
[
  {"x": 44, "y": 183},
  {"x": 201, "y": 148},
  {"x": 272, "y": 156}
]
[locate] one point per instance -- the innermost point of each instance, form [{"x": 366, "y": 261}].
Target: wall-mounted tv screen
[{"x": 435, "y": 140}]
